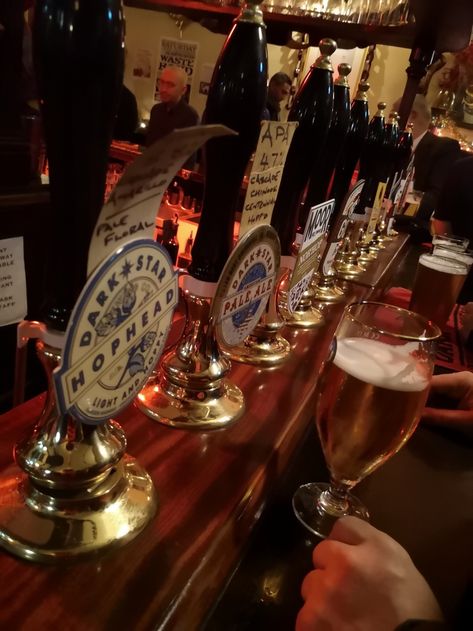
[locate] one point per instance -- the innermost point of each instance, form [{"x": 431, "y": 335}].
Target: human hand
[
  {"x": 363, "y": 581},
  {"x": 459, "y": 387}
]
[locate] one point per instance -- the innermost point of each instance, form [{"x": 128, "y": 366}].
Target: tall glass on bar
[
  {"x": 369, "y": 398},
  {"x": 437, "y": 285}
]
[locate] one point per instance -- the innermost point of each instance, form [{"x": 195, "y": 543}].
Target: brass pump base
[
  {"x": 261, "y": 350},
  {"x": 190, "y": 389},
  {"x": 73, "y": 491},
  {"x": 326, "y": 290},
  {"x": 305, "y": 316},
  {"x": 186, "y": 408},
  {"x": 40, "y": 525}
]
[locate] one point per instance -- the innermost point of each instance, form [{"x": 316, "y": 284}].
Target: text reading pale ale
[{"x": 369, "y": 402}]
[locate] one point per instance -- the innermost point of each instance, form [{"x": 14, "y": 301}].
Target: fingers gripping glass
[{"x": 370, "y": 394}]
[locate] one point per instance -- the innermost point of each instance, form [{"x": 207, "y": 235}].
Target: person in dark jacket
[
  {"x": 173, "y": 112},
  {"x": 278, "y": 89},
  {"x": 433, "y": 157}
]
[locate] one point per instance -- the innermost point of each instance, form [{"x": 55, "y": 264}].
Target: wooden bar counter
[{"x": 212, "y": 489}]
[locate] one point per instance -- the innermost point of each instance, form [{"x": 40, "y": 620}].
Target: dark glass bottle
[
  {"x": 371, "y": 151},
  {"x": 372, "y": 157},
  {"x": 79, "y": 56},
  {"x": 236, "y": 98},
  {"x": 170, "y": 241},
  {"x": 354, "y": 141},
  {"x": 391, "y": 154},
  {"x": 405, "y": 145},
  {"x": 312, "y": 109},
  {"x": 322, "y": 171}
]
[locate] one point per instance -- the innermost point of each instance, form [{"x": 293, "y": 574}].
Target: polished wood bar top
[{"x": 212, "y": 489}]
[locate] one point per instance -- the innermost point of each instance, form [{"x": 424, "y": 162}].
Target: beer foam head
[
  {"x": 380, "y": 364},
  {"x": 445, "y": 265},
  {"x": 453, "y": 254}
]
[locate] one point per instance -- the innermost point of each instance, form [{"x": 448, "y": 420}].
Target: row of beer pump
[{"x": 73, "y": 489}]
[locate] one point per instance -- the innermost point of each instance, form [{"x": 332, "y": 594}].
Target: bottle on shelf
[
  {"x": 169, "y": 240},
  {"x": 352, "y": 148},
  {"x": 185, "y": 258},
  {"x": 322, "y": 171},
  {"x": 237, "y": 96},
  {"x": 312, "y": 109}
]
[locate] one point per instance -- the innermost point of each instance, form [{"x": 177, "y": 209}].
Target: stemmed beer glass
[{"x": 369, "y": 398}]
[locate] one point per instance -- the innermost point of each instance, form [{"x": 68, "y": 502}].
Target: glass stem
[{"x": 335, "y": 499}]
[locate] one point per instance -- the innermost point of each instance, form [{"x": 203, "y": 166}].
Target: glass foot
[{"x": 308, "y": 510}]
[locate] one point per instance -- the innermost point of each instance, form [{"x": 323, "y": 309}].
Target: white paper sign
[
  {"x": 131, "y": 209},
  {"x": 13, "y": 305},
  {"x": 263, "y": 184},
  {"x": 307, "y": 259},
  {"x": 340, "y": 227}
]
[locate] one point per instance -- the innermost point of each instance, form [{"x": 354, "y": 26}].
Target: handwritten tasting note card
[
  {"x": 13, "y": 305},
  {"x": 263, "y": 184},
  {"x": 131, "y": 209}
]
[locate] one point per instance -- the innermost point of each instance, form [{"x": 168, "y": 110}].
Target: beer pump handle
[
  {"x": 237, "y": 97},
  {"x": 312, "y": 109},
  {"x": 79, "y": 56}
]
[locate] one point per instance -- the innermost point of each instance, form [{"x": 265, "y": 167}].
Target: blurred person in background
[
  {"x": 173, "y": 112},
  {"x": 279, "y": 88},
  {"x": 433, "y": 158}
]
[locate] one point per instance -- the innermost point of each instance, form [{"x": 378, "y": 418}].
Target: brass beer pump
[
  {"x": 73, "y": 490},
  {"x": 190, "y": 389},
  {"x": 313, "y": 108}
]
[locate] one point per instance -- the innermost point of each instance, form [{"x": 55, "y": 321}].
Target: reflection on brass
[
  {"x": 306, "y": 316},
  {"x": 326, "y": 289},
  {"x": 347, "y": 264},
  {"x": 189, "y": 389},
  {"x": 265, "y": 346},
  {"x": 77, "y": 493},
  {"x": 383, "y": 235}
]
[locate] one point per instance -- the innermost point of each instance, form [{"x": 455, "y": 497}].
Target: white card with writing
[
  {"x": 263, "y": 184},
  {"x": 13, "y": 304},
  {"x": 307, "y": 260},
  {"x": 131, "y": 209}
]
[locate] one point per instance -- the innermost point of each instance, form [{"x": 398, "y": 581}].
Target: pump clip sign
[
  {"x": 116, "y": 332},
  {"x": 308, "y": 257}
]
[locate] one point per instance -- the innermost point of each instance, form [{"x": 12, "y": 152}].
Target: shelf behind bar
[
  {"x": 218, "y": 19},
  {"x": 212, "y": 490}
]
